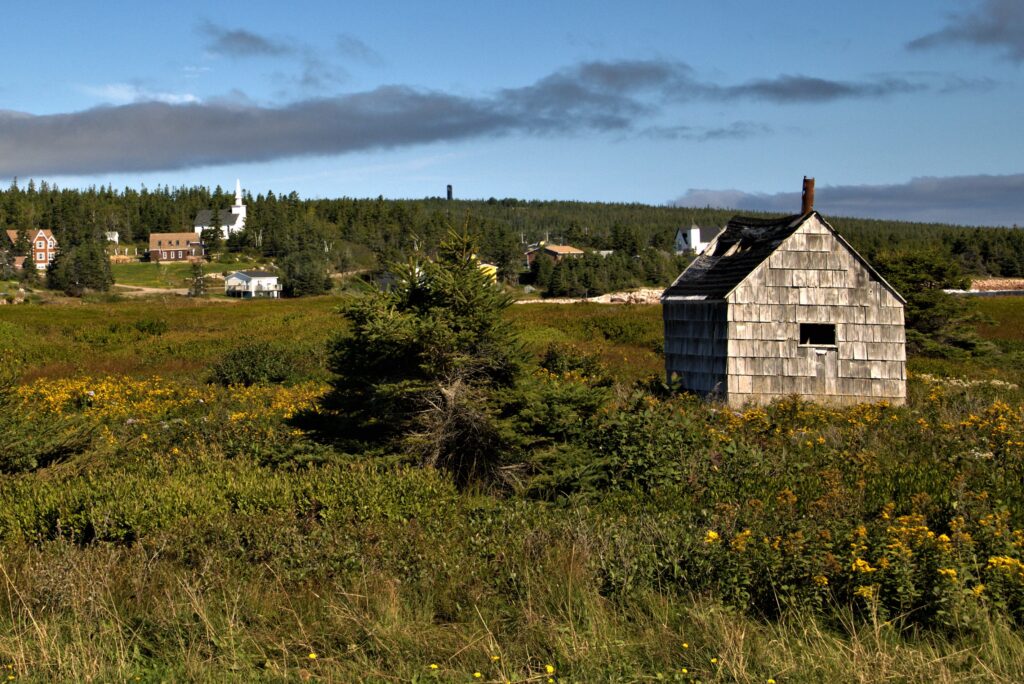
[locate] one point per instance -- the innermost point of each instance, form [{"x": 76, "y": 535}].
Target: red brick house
[
  {"x": 175, "y": 247},
  {"x": 42, "y": 247}
]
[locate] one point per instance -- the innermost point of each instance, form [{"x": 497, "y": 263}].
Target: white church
[{"x": 228, "y": 221}]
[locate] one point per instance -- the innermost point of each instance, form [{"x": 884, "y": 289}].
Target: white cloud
[{"x": 128, "y": 93}]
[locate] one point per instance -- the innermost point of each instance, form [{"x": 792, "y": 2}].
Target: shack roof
[{"x": 742, "y": 246}]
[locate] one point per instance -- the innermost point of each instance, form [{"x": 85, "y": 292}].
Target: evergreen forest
[{"x": 368, "y": 233}]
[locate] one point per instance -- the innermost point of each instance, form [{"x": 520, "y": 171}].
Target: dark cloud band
[
  {"x": 965, "y": 200},
  {"x": 996, "y": 24},
  {"x": 240, "y": 42},
  {"x": 594, "y": 96}
]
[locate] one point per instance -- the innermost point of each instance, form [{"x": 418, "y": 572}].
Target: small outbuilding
[
  {"x": 250, "y": 284},
  {"x": 785, "y": 307}
]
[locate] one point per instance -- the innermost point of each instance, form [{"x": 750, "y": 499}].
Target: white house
[
  {"x": 695, "y": 238},
  {"x": 249, "y": 284},
  {"x": 227, "y": 221}
]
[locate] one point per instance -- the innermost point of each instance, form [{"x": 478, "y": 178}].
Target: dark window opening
[{"x": 818, "y": 334}]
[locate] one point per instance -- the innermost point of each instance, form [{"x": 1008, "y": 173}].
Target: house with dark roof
[
  {"x": 784, "y": 307},
  {"x": 695, "y": 238}
]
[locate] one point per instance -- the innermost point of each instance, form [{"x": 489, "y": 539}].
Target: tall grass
[
  {"x": 125, "y": 614},
  {"x": 203, "y": 537}
]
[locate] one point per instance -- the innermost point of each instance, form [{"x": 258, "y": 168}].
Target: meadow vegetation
[
  {"x": 175, "y": 511},
  {"x": 149, "y": 274}
]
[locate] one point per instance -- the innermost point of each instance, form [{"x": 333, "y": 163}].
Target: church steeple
[{"x": 238, "y": 192}]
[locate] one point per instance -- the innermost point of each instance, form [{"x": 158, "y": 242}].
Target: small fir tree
[
  {"x": 198, "y": 286},
  {"x": 419, "y": 367}
]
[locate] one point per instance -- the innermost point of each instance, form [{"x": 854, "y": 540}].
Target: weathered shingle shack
[{"x": 780, "y": 307}]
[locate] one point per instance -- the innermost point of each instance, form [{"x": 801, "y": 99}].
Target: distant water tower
[{"x": 449, "y": 192}]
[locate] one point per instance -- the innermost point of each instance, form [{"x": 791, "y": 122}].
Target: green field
[
  {"x": 158, "y": 527},
  {"x": 147, "y": 274},
  {"x": 1006, "y": 318}
]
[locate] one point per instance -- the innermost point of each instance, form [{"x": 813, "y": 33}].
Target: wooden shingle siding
[
  {"x": 696, "y": 334},
  {"x": 747, "y": 342}
]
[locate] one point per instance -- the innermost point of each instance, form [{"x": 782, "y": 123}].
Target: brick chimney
[{"x": 807, "y": 201}]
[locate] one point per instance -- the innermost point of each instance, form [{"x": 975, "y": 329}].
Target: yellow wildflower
[
  {"x": 1008, "y": 564},
  {"x": 711, "y": 537},
  {"x": 739, "y": 542},
  {"x": 312, "y": 656},
  {"x": 865, "y": 591},
  {"x": 550, "y": 669},
  {"x": 861, "y": 565}
]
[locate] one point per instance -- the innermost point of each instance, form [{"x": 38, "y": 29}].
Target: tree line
[{"x": 348, "y": 233}]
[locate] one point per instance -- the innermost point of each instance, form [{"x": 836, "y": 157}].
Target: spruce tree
[
  {"x": 418, "y": 369},
  {"x": 82, "y": 267},
  {"x": 541, "y": 269}
]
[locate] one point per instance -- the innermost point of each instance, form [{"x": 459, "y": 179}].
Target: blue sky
[{"x": 906, "y": 109}]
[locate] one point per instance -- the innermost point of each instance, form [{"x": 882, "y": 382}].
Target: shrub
[
  {"x": 151, "y": 326},
  {"x": 254, "y": 363},
  {"x": 565, "y": 359},
  {"x": 305, "y": 273}
]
